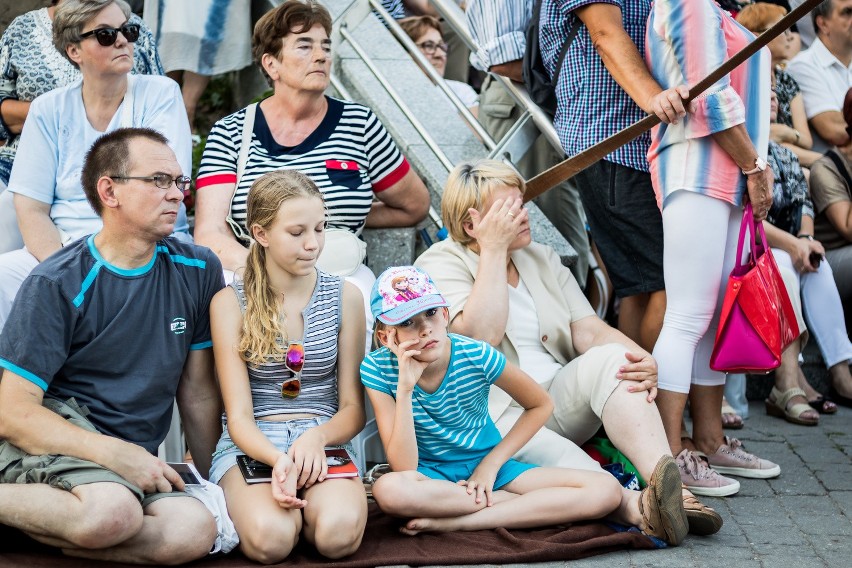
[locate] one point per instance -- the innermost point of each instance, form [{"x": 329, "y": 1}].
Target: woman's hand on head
[
  {"x": 759, "y": 187},
  {"x": 284, "y": 484},
  {"x": 498, "y": 227},
  {"x": 410, "y": 369},
  {"x": 308, "y": 455},
  {"x": 642, "y": 369}
]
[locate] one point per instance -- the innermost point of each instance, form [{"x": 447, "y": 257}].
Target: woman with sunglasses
[
  {"x": 96, "y": 37},
  {"x": 30, "y": 66},
  {"x": 288, "y": 341}
]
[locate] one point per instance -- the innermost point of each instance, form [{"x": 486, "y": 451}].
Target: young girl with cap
[
  {"x": 451, "y": 468},
  {"x": 288, "y": 340}
]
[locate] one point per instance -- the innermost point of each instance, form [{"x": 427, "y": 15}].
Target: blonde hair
[
  {"x": 760, "y": 15},
  {"x": 469, "y": 185},
  {"x": 263, "y": 321}
]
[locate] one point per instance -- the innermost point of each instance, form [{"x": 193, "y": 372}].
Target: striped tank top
[{"x": 322, "y": 317}]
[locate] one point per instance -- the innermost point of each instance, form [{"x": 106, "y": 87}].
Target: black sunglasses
[{"x": 107, "y": 36}]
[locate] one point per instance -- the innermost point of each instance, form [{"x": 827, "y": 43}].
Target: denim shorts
[
  {"x": 458, "y": 470},
  {"x": 282, "y": 434}
]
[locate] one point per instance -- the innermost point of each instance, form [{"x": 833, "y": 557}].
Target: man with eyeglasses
[{"x": 101, "y": 339}]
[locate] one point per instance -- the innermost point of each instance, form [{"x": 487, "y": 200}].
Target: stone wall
[{"x": 10, "y": 9}]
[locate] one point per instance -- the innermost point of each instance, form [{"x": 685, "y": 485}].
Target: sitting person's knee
[
  {"x": 391, "y": 490},
  {"x": 112, "y": 514},
  {"x": 268, "y": 540},
  {"x": 340, "y": 534},
  {"x": 187, "y": 533}
]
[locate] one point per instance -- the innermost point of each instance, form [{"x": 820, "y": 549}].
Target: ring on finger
[{"x": 512, "y": 215}]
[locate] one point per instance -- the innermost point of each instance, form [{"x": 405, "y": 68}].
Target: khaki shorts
[
  {"x": 579, "y": 392},
  {"x": 65, "y": 472}
]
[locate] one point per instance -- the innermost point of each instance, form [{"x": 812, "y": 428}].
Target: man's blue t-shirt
[
  {"x": 116, "y": 340},
  {"x": 452, "y": 423}
]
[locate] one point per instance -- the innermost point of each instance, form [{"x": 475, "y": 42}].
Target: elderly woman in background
[
  {"x": 790, "y": 232},
  {"x": 340, "y": 145},
  {"x": 703, "y": 169},
  {"x": 425, "y": 32},
  {"x": 97, "y": 38},
  {"x": 30, "y": 66},
  {"x": 790, "y": 128},
  {"x": 517, "y": 295}
]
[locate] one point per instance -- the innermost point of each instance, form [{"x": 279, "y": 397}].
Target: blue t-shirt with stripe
[
  {"x": 114, "y": 339},
  {"x": 452, "y": 423}
]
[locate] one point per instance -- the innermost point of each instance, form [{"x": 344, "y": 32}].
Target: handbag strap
[
  {"x": 746, "y": 224},
  {"x": 242, "y": 160},
  {"x": 841, "y": 166}
]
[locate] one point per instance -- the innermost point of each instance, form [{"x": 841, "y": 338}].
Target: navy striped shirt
[
  {"x": 349, "y": 156},
  {"x": 591, "y": 106},
  {"x": 452, "y": 423},
  {"x": 318, "y": 393}
]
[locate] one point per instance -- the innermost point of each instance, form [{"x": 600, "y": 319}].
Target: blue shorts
[
  {"x": 458, "y": 470},
  {"x": 282, "y": 434}
]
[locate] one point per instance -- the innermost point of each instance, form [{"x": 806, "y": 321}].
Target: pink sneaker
[
  {"x": 732, "y": 459},
  {"x": 697, "y": 476}
]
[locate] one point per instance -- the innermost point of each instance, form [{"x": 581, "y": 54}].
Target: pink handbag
[{"x": 757, "y": 321}]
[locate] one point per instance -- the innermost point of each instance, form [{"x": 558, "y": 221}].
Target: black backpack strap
[
  {"x": 572, "y": 33},
  {"x": 841, "y": 166}
]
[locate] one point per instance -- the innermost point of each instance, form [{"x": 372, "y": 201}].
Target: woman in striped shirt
[
  {"x": 340, "y": 145},
  {"x": 288, "y": 342}
]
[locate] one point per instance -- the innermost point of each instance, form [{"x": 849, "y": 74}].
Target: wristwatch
[{"x": 759, "y": 165}]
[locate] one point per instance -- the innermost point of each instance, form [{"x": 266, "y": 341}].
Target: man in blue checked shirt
[
  {"x": 603, "y": 87},
  {"x": 102, "y": 337},
  {"x": 498, "y": 27}
]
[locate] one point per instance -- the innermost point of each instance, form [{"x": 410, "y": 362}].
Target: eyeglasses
[
  {"x": 429, "y": 47},
  {"x": 293, "y": 360},
  {"x": 107, "y": 36},
  {"x": 163, "y": 181}
]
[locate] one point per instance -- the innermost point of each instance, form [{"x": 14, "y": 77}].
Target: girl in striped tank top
[{"x": 277, "y": 416}]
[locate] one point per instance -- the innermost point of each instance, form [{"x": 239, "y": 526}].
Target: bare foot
[{"x": 417, "y": 526}]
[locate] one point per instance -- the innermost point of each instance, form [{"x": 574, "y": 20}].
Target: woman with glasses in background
[
  {"x": 425, "y": 31},
  {"x": 97, "y": 38},
  {"x": 288, "y": 341},
  {"x": 30, "y": 66}
]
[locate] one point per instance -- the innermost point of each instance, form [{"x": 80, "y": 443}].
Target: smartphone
[
  {"x": 187, "y": 473},
  {"x": 815, "y": 259}
]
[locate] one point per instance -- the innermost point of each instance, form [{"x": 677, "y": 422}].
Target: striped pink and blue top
[{"x": 686, "y": 40}]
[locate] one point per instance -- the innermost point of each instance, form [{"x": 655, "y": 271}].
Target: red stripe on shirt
[
  {"x": 214, "y": 179},
  {"x": 393, "y": 177}
]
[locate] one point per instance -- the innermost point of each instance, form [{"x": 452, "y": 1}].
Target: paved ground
[{"x": 801, "y": 519}]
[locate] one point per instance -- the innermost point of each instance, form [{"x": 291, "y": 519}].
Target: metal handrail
[
  {"x": 433, "y": 74},
  {"x": 455, "y": 18}
]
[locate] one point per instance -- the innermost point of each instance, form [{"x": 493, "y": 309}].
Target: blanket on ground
[{"x": 384, "y": 545}]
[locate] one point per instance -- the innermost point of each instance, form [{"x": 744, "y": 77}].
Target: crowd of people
[{"x": 485, "y": 364}]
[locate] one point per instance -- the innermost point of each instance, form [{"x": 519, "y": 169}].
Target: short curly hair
[{"x": 291, "y": 17}]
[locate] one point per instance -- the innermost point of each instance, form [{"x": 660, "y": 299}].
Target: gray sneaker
[
  {"x": 732, "y": 459},
  {"x": 700, "y": 479}
]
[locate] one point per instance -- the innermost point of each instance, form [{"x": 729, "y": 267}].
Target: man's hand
[
  {"x": 140, "y": 468},
  {"x": 668, "y": 104}
]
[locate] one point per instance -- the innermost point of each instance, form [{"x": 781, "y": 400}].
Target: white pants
[
  {"x": 15, "y": 266},
  {"x": 822, "y": 309},
  {"x": 700, "y": 241},
  {"x": 10, "y": 236}
]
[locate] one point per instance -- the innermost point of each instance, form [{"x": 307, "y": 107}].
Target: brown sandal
[{"x": 776, "y": 405}]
